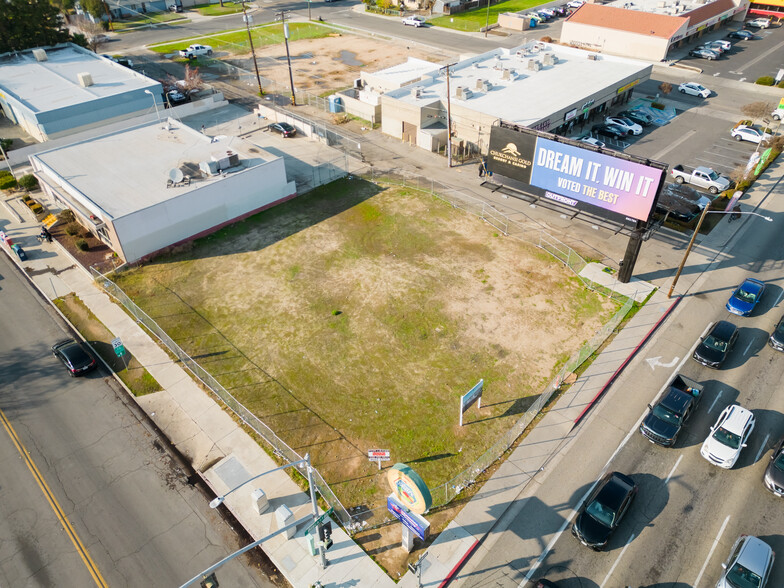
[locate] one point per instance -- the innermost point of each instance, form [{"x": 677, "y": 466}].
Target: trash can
[
  {"x": 335, "y": 103},
  {"x": 20, "y": 252}
]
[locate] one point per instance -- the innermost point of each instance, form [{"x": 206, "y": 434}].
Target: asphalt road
[
  {"x": 688, "y": 512},
  {"x": 95, "y": 500}
]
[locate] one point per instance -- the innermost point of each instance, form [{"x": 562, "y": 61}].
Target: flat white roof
[
  {"x": 668, "y": 7},
  {"x": 127, "y": 171},
  {"x": 48, "y": 85},
  {"x": 403, "y": 73},
  {"x": 521, "y": 95}
]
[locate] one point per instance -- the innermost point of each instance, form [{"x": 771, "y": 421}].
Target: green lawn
[
  {"x": 237, "y": 41},
  {"x": 217, "y": 9},
  {"x": 474, "y": 20},
  {"x": 133, "y": 23}
]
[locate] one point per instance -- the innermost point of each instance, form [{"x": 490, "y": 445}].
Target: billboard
[{"x": 572, "y": 176}]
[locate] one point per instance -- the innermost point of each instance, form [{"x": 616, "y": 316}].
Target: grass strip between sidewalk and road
[
  {"x": 474, "y": 20},
  {"x": 236, "y": 41},
  {"x": 135, "y": 376}
]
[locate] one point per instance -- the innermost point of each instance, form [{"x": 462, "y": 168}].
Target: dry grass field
[{"x": 355, "y": 316}]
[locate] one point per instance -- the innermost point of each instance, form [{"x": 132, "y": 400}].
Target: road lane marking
[
  {"x": 759, "y": 58},
  {"x": 710, "y": 553},
  {"x": 748, "y": 347},
  {"x": 620, "y": 555},
  {"x": 672, "y": 471},
  {"x": 58, "y": 511},
  {"x": 762, "y": 449},
  {"x": 715, "y": 400},
  {"x": 779, "y": 298},
  {"x": 631, "y": 432}
]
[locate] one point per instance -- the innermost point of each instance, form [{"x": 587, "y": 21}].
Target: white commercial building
[
  {"x": 539, "y": 85},
  {"x": 56, "y": 91},
  {"x": 159, "y": 184},
  {"x": 647, "y": 29}
]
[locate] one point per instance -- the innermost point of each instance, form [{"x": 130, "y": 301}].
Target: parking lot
[{"x": 747, "y": 60}]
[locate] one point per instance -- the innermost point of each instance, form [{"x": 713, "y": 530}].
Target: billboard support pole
[{"x": 632, "y": 252}]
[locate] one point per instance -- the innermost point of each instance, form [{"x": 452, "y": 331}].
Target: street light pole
[
  {"x": 487, "y": 19},
  {"x": 282, "y": 15},
  {"x": 705, "y": 212},
  {"x": 248, "y": 20}
]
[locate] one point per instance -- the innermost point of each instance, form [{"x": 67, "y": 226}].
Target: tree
[
  {"x": 96, "y": 8},
  {"x": 93, "y": 33},
  {"x": 756, "y": 110},
  {"x": 30, "y": 23},
  {"x": 665, "y": 88},
  {"x": 79, "y": 39}
]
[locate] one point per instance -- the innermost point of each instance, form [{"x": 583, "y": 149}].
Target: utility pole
[
  {"x": 248, "y": 20},
  {"x": 282, "y": 15},
  {"x": 448, "y": 117}
]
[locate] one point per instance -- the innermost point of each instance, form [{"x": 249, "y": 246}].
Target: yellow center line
[{"x": 83, "y": 553}]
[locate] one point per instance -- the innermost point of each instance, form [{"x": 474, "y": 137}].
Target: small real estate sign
[
  {"x": 379, "y": 455},
  {"x": 468, "y": 399}
]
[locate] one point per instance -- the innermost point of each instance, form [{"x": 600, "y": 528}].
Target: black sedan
[
  {"x": 713, "y": 349},
  {"x": 284, "y": 128},
  {"x": 604, "y": 510},
  {"x": 774, "y": 475},
  {"x": 74, "y": 356},
  {"x": 611, "y": 131},
  {"x": 741, "y": 34}
]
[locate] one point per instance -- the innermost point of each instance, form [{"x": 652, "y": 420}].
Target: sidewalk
[{"x": 226, "y": 456}]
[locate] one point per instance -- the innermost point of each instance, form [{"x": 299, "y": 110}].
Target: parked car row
[{"x": 623, "y": 124}]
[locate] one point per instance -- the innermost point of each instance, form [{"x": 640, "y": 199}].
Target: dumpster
[
  {"x": 20, "y": 252},
  {"x": 335, "y": 103}
]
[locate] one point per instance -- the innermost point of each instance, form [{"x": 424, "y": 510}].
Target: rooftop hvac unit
[
  {"x": 85, "y": 79},
  {"x": 463, "y": 93},
  {"x": 661, "y": 4},
  {"x": 416, "y": 92},
  {"x": 549, "y": 59},
  {"x": 593, "y": 57},
  {"x": 534, "y": 64},
  {"x": 480, "y": 84},
  {"x": 40, "y": 55},
  {"x": 209, "y": 167},
  {"x": 225, "y": 160}
]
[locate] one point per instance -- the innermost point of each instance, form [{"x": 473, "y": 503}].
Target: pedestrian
[{"x": 202, "y": 130}]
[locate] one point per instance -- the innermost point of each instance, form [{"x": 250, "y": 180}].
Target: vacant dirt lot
[{"x": 334, "y": 62}]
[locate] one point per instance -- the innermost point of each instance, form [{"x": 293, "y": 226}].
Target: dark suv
[{"x": 716, "y": 345}]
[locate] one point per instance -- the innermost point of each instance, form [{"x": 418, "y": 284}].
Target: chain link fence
[
  {"x": 279, "y": 448},
  {"x": 362, "y": 517}
]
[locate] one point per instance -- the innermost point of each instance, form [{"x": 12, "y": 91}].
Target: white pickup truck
[
  {"x": 704, "y": 177},
  {"x": 195, "y": 51}
]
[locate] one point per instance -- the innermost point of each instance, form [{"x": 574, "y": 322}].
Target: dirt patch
[{"x": 319, "y": 65}]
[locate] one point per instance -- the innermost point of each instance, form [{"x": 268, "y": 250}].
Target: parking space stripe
[
  {"x": 748, "y": 347},
  {"x": 710, "y": 553},
  {"x": 620, "y": 555},
  {"x": 762, "y": 448}
]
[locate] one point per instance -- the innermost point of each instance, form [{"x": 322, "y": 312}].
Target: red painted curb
[
  {"x": 627, "y": 360},
  {"x": 453, "y": 571}
]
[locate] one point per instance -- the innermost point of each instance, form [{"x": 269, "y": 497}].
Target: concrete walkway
[{"x": 226, "y": 456}]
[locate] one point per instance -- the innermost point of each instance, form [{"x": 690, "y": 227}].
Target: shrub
[
  {"x": 7, "y": 181},
  {"x": 765, "y": 81},
  {"x": 66, "y": 216},
  {"x": 81, "y": 245},
  {"x": 780, "y": 84},
  {"x": 28, "y": 182},
  {"x": 73, "y": 229},
  {"x": 6, "y": 145},
  {"x": 546, "y": 39}
]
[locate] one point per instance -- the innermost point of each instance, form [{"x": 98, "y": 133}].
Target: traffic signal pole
[{"x": 322, "y": 551}]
